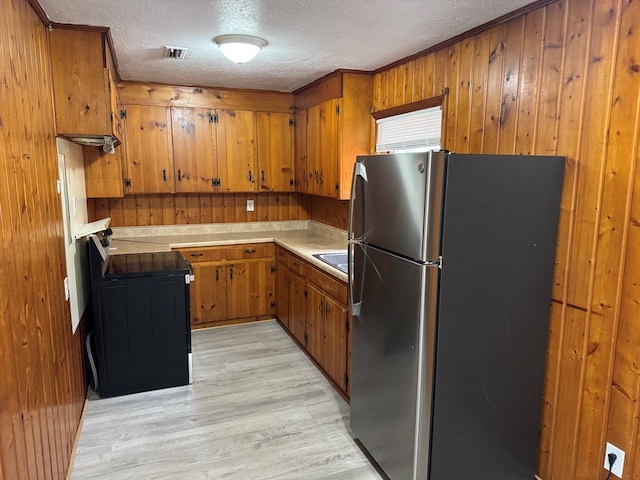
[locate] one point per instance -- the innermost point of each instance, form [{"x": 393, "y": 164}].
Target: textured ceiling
[{"x": 306, "y": 38}]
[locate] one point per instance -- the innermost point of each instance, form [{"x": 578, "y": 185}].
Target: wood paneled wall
[
  {"x": 329, "y": 211},
  {"x": 192, "y": 208},
  {"x": 564, "y": 79},
  {"x": 42, "y": 383}
]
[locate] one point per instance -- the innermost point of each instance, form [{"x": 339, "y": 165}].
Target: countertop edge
[{"x": 164, "y": 244}]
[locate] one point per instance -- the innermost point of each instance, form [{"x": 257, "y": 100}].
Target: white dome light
[{"x": 239, "y": 48}]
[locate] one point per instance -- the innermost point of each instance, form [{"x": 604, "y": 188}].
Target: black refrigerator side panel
[
  {"x": 141, "y": 338},
  {"x": 498, "y": 248}
]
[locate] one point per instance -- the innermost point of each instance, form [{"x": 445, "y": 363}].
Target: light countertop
[{"x": 303, "y": 238}]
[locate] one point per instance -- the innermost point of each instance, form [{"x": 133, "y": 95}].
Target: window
[{"x": 405, "y": 129}]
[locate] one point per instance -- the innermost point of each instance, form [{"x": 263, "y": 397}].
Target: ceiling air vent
[{"x": 175, "y": 52}]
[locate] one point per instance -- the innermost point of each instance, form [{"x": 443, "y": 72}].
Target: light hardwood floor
[{"x": 258, "y": 409}]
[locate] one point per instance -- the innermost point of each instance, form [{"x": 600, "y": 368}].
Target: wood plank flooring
[{"x": 258, "y": 409}]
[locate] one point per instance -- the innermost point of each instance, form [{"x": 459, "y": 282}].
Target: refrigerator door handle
[
  {"x": 359, "y": 170},
  {"x": 354, "y": 303}
]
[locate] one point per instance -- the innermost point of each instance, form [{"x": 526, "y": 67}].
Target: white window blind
[{"x": 416, "y": 131}]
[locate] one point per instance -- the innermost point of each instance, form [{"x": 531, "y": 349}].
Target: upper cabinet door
[
  {"x": 149, "y": 150},
  {"x": 313, "y": 150},
  {"x": 328, "y": 179},
  {"x": 275, "y": 152},
  {"x": 194, "y": 149},
  {"x": 300, "y": 145},
  {"x": 236, "y": 132},
  {"x": 80, "y": 83}
]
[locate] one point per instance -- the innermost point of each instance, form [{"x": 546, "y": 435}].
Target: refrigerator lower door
[{"x": 392, "y": 366}]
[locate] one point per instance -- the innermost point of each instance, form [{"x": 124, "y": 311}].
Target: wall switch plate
[
  {"x": 250, "y": 206},
  {"x": 619, "y": 463}
]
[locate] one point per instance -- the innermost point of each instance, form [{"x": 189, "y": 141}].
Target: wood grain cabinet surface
[
  {"x": 311, "y": 305},
  {"x": 233, "y": 284},
  {"x": 83, "y": 89},
  {"x": 332, "y": 127},
  {"x": 275, "y": 152},
  {"x": 148, "y": 147},
  {"x": 201, "y": 150},
  {"x": 195, "y": 153},
  {"x": 86, "y": 103}
]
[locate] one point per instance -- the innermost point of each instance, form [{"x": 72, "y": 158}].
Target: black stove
[{"x": 142, "y": 319}]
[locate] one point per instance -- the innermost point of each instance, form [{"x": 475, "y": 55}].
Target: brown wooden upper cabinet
[
  {"x": 300, "y": 152},
  {"x": 275, "y": 152},
  {"x": 83, "y": 91},
  {"x": 237, "y": 165},
  {"x": 191, "y": 150},
  {"x": 195, "y": 155},
  {"x": 148, "y": 147},
  {"x": 334, "y": 128}
]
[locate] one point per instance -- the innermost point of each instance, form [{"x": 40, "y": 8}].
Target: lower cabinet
[
  {"x": 313, "y": 309},
  {"x": 250, "y": 288},
  {"x": 328, "y": 325},
  {"x": 232, "y": 284}
]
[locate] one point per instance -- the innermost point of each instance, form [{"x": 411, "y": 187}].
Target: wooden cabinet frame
[
  {"x": 233, "y": 284},
  {"x": 311, "y": 306}
]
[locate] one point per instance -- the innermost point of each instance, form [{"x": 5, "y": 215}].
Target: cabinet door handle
[
  {"x": 231, "y": 273},
  {"x": 250, "y": 250},
  {"x": 164, "y": 174},
  {"x": 217, "y": 273},
  {"x": 250, "y": 176},
  {"x": 263, "y": 175},
  {"x": 196, "y": 254},
  {"x": 179, "y": 176},
  {"x": 320, "y": 307}
]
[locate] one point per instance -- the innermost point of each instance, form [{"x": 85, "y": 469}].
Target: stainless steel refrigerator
[{"x": 451, "y": 267}]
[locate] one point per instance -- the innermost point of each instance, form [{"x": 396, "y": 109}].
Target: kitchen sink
[{"x": 337, "y": 260}]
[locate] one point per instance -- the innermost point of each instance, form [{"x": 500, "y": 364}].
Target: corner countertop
[{"x": 302, "y": 237}]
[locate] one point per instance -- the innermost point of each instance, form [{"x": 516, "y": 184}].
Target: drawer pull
[
  {"x": 196, "y": 254},
  {"x": 296, "y": 263},
  {"x": 250, "y": 250}
]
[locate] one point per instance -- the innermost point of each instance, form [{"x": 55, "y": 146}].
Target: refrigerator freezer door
[
  {"x": 396, "y": 203},
  {"x": 390, "y": 381}
]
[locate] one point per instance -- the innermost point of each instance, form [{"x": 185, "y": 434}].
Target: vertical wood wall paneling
[
  {"x": 530, "y": 73},
  {"x": 42, "y": 384},
  {"x": 564, "y": 378},
  {"x": 619, "y": 175},
  {"x": 563, "y": 79},
  {"x": 183, "y": 208},
  {"x": 450, "y": 107}
]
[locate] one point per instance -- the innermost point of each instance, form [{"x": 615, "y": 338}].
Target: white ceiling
[{"x": 306, "y": 38}]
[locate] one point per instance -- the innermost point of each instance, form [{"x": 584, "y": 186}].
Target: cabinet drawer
[
  {"x": 292, "y": 262},
  {"x": 329, "y": 285},
  {"x": 206, "y": 254},
  {"x": 297, "y": 266},
  {"x": 282, "y": 255},
  {"x": 253, "y": 250}
]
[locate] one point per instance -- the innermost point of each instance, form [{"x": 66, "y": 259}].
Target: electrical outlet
[
  {"x": 618, "y": 464},
  {"x": 250, "y": 206}
]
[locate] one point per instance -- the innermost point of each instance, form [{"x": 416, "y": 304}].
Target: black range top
[{"x": 145, "y": 264}]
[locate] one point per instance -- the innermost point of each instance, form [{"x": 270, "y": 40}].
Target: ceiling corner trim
[
  {"x": 469, "y": 33},
  {"x": 40, "y": 12},
  {"x": 322, "y": 79}
]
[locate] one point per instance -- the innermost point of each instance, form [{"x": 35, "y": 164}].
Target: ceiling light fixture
[{"x": 239, "y": 48}]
